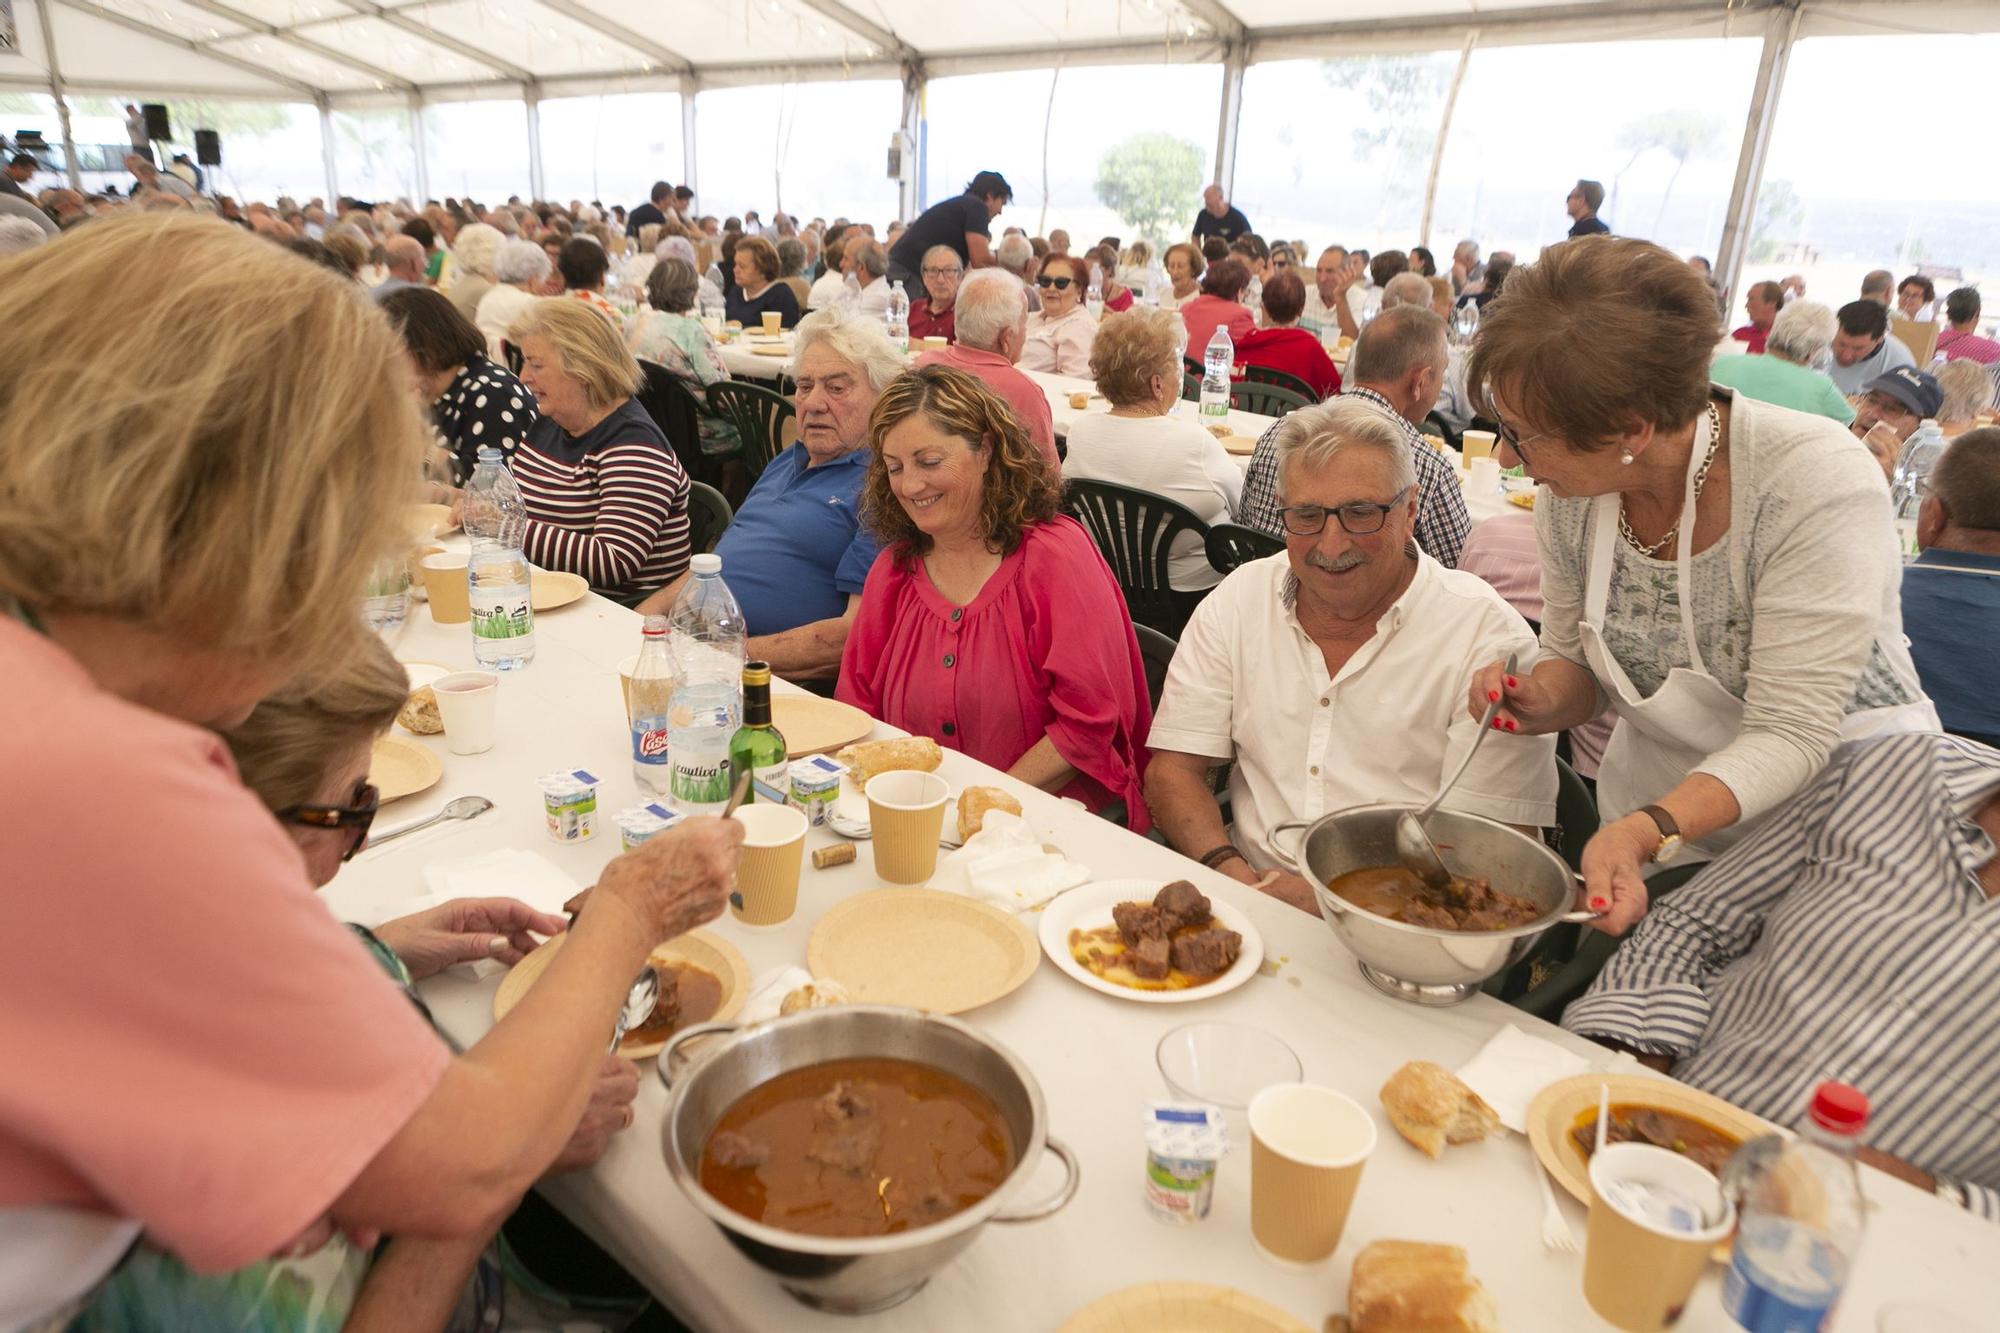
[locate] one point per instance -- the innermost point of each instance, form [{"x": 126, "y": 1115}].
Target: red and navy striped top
[{"x": 610, "y": 504}]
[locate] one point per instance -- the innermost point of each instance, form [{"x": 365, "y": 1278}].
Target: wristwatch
[{"x": 1670, "y": 834}]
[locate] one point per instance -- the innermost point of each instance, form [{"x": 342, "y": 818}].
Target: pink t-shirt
[
  {"x": 1030, "y": 404},
  {"x": 190, "y": 1039},
  {"x": 1046, "y": 647}
]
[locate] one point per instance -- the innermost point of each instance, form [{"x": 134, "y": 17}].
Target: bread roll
[
  {"x": 1430, "y": 1107},
  {"x": 420, "y": 712},
  {"x": 1406, "y": 1286},
  {"x": 974, "y": 802},
  {"x": 871, "y": 759}
]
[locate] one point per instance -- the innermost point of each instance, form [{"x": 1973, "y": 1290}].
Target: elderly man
[
  {"x": 404, "y": 258},
  {"x": 867, "y": 289},
  {"x": 1847, "y": 937},
  {"x": 1951, "y": 591},
  {"x": 1890, "y": 411},
  {"x": 1863, "y": 347},
  {"x": 796, "y": 554},
  {"x": 1762, "y": 304},
  {"x": 1453, "y": 406},
  {"x": 1332, "y": 293},
  {"x": 1334, "y": 674},
  {"x": 1961, "y": 342},
  {"x": 1879, "y": 286},
  {"x": 149, "y": 180},
  {"x": 1059, "y": 242},
  {"x": 1785, "y": 374},
  {"x": 1016, "y": 255},
  {"x": 1465, "y": 266},
  {"x": 1585, "y": 198},
  {"x": 1398, "y": 368},
  {"x": 931, "y": 315},
  {"x": 992, "y": 312},
  {"x": 964, "y": 225},
  {"x": 1217, "y": 217}
]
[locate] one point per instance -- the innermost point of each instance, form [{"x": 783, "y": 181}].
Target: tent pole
[
  {"x": 690, "y": 86},
  {"x": 327, "y": 154},
  {"x": 908, "y": 197},
  {"x": 1781, "y": 31},
  {"x": 423, "y": 178},
  {"x": 1233, "y": 65},
  {"x": 531, "y": 100},
  {"x": 1444, "y": 133},
  {"x": 56, "y": 92}
]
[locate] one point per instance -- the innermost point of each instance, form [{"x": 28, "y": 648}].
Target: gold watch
[{"x": 1670, "y": 834}]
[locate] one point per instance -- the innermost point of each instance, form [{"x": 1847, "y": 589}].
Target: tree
[
  {"x": 1778, "y": 213},
  {"x": 1152, "y": 181},
  {"x": 1404, "y": 96},
  {"x": 1682, "y": 133}
]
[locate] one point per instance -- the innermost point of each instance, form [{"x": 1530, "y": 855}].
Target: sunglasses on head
[
  {"x": 353, "y": 818},
  {"x": 1060, "y": 284}
]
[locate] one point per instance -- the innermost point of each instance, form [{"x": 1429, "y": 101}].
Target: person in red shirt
[
  {"x": 1961, "y": 342},
  {"x": 1219, "y": 304},
  {"x": 933, "y": 315},
  {"x": 1281, "y": 344},
  {"x": 1762, "y": 305}
]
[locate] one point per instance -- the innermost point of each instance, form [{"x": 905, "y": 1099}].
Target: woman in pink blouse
[
  {"x": 1060, "y": 333},
  {"x": 1219, "y": 304},
  {"x": 990, "y": 622}
]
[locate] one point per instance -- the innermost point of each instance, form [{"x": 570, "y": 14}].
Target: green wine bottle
[{"x": 758, "y": 748}]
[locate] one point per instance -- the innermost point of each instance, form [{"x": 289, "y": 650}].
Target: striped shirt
[
  {"x": 610, "y": 504},
  {"x": 1848, "y": 938},
  {"x": 1442, "y": 523}
]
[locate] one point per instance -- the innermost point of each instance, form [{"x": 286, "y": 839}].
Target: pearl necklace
[{"x": 1700, "y": 480}]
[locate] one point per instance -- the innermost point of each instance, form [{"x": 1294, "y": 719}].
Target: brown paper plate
[
  {"x": 1524, "y": 499},
  {"x": 1240, "y": 445},
  {"x": 1558, "y": 1107},
  {"x": 1181, "y": 1307},
  {"x": 429, "y": 521},
  {"x": 939, "y": 952},
  {"x": 711, "y": 953},
  {"x": 812, "y": 725},
  {"x": 549, "y": 589},
  {"x": 770, "y": 349},
  {"x": 399, "y": 768}
]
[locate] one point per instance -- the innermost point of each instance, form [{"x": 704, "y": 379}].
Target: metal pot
[
  {"x": 1421, "y": 963},
  {"x": 853, "y": 1275}
]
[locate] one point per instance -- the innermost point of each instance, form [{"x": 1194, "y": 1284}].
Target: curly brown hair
[{"x": 1021, "y": 489}]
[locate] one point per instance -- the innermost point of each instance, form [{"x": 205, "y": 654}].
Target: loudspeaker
[
  {"x": 157, "y": 128},
  {"x": 208, "y": 148}
]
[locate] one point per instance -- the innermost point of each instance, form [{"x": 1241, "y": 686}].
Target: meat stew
[
  {"x": 1694, "y": 1139},
  {"x": 1465, "y": 904},
  {"x": 1171, "y": 943}
]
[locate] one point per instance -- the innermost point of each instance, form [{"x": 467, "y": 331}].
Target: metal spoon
[
  {"x": 1414, "y": 847},
  {"x": 463, "y": 807},
  {"x": 639, "y": 1002}
]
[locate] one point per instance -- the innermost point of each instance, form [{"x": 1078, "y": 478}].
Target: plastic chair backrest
[
  {"x": 708, "y": 515},
  {"x": 672, "y": 406},
  {"x": 1231, "y": 545},
  {"x": 1158, "y": 652},
  {"x": 1266, "y": 399},
  {"x": 1283, "y": 379},
  {"x": 759, "y": 416},
  {"x": 1576, "y": 814},
  {"x": 1135, "y": 530}
]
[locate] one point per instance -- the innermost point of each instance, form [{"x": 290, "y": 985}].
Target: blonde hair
[
  {"x": 586, "y": 346},
  {"x": 201, "y": 433},
  {"x": 283, "y": 749},
  {"x": 1966, "y": 386},
  {"x": 1131, "y": 348}
]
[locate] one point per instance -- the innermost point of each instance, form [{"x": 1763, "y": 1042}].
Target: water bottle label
[
  {"x": 701, "y": 780},
  {"x": 501, "y": 613},
  {"x": 1757, "y": 1304}
]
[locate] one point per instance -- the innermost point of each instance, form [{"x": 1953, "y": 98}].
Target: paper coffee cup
[
  {"x": 773, "y": 322},
  {"x": 1639, "y": 1267},
  {"x": 1307, "y": 1147},
  {"x": 905, "y": 817},
  {"x": 445, "y": 586},
  {"x": 767, "y": 876},
  {"x": 1484, "y": 476},
  {"x": 1476, "y": 444},
  {"x": 468, "y": 705}
]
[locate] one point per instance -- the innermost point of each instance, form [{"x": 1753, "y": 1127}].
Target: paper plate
[
  {"x": 1557, "y": 1108},
  {"x": 711, "y": 953},
  {"x": 770, "y": 349},
  {"x": 922, "y": 949},
  {"x": 549, "y": 589},
  {"x": 1090, "y": 907},
  {"x": 1181, "y": 1307},
  {"x": 399, "y": 768},
  {"x": 428, "y": 521},
  {"x": 1240, "y": 445},
  {"x": 812, "y": 725},
  {"x": 1525, "y": 499}
]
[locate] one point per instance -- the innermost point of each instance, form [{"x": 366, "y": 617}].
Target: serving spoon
[
  {"x": 462, "y": 807},
  {"x": 1414, "y": 847}
]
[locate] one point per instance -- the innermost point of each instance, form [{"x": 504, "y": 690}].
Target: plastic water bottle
[
  {"x": 706, "y": 632},
  {"x": 649, "y": 705},
  {"x": 1800, "y": 1222},
  {"x": 1093, "y": 293},
  {"x": 1919, "y": 455},
  {"x": 897, "y": 316},
  {"x": 1217, "y": 361},
  {"x": 497, "y": 576}
]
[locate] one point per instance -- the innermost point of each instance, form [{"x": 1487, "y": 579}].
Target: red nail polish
[
  {"x": 1511, "y": 725},
  {"x": 1513, "y": 684},
  {"x": 1599, "y": 904},
  {"x": 1493, "y": 696}
]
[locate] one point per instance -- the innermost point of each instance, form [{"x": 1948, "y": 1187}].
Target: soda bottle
[
  {"x": 897, "y": 316},
  {"x": 649, "y": 706},
  {"x": 758, "y": 748},
  {"x": 1799, "y": 1222},
  {"x": 706, "y": 632},
  {"x": 497, "y": 576},
  {"x": 1217, "y": 361}
]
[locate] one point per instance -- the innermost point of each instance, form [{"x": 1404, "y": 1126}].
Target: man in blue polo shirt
[
  {"x": 1951, "y": 592},
  {"x": 796, "y": 555}
]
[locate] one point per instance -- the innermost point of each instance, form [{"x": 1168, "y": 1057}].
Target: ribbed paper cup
[
  {"x": 1307, "y": 1147},
  {"x": 905, "y": 817},
  {"x": 445, "y": 588},
  {"x": 767, "y": 875},
  {"x": 1638, "y": 1274}
]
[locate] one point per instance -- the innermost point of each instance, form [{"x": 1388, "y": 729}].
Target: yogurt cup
[
  {"x": 1184, "y": 1142},
  {"x": 569, "y": 805}
]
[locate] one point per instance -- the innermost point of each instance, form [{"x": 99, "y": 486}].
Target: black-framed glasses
[
  {"x": 1357, "y": 519},
  {"x": 1060, "y": 284},
  {"x": 941, "y": 272},
  {"x": 1513, "y": 441},
  {"x": 355, "y": 818}
]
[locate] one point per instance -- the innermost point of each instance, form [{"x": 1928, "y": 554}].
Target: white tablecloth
[{"x": 1094, "y": 1058}]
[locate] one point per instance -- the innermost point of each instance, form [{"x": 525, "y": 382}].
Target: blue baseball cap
[{"x": 1913, "y": 388}]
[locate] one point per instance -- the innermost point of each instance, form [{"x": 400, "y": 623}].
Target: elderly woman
[
  {"x": 990, "y": 622},
  {"x": 1967, "y": 387},
  {"x": 518, "y": 271},
  {"x": 276, "y": 1101},
  {"x": 791, "y": 269},
  {"x": 932, "y": 315},
  {"x": 1059, "y": 334},
  {"x": 1219, "y": 306},
  {"x": 584, "y": 266},
  {"x": 708, "y": 297},
  {"x": 1916, "y": 298},
  {"x": 1787, "y": 374},
  {"x": 473, "y": 401},
  {"x": 1722, "y": 573},
  {"x": 606, "y": 494},
  {"x": 473, "y": 256},
  {"x": 669, "y": 334},
  {"x": 1136, "y": 361},
  {"x": 1184, "y": 269},
  {"x": 1282, "y": 345},
  {"x": 756, "y": 289}
]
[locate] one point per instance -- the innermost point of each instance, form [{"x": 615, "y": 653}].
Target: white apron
[{"x": 1659, "y": 739}]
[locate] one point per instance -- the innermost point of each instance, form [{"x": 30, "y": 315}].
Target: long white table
[{"x": 1094, "y": 1058}]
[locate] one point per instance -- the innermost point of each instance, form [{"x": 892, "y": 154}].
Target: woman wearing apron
[{"x": 1720, "y": 572}]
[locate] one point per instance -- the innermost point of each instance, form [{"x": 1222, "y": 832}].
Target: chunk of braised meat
[
  {"x": 852, "y": 1150},
  {"x": 842, "y": 1103},
  {"x": 1149, "y": 958},
  {"x": 1206, "y": 953},
  {"x": 1138, "y": 921},
  {"x": 737, "y": 1152},
  {"x": 1181, "y": 904}
]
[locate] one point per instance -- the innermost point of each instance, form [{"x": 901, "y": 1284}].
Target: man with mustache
[{"x": 1333, "y": 674}]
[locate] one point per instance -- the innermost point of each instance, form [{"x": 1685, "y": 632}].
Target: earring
[{"x": 1626, "y": 458}]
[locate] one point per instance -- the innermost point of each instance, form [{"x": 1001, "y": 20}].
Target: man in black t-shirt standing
[
  {"x": 964, "y": 223},
  {"x": 1218, "y": 217},
  {"x": 649, "y": 213}
]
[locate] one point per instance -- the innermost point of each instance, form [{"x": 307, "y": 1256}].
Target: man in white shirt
[
  {"x": 868, "y": 283},
  {"x": 1328, "y": 293},
  {"x": 1333, "y": 675}
]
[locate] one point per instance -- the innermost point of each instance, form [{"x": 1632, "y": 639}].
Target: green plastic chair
[
  {"x": 1230, "y": 545},
  {"x": 708, "y": 515},
  {"x": 1191, "y": 388},
  {"x": 1283, "y": 379},
  {"x": 759, "y": 417},
  {"x": 1135, "y": 531},
  {"x": 1266, "y": 399},
  {"x": 1576, "y": 815}
]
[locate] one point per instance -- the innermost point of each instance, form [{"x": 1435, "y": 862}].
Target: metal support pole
[
  {"x": 423, "y": 178},
  {"x": 61, "y": 98},
  {"x": 908, "y": 200},
  {"x": 1444, "y": 133},
  {"x": 328, "y": 155},
  {"x": 531, "y": 98},
  {"x": 689, "y": 88},
  {"x": 1235, "y": 60},
  {"x": 1741, "y": 216}
]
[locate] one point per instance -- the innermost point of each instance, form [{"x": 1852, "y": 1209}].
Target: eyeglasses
[
  {"x": 1357, "y": 519},
  {"x": 1514, "y": 441},
  {"x": 941, "y": 272},
  {"x": 1060, "y": 284},
  {"x": 355, "y": 818}
]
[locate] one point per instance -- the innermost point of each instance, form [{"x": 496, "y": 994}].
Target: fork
[{"x": 1556, "y": 1233}]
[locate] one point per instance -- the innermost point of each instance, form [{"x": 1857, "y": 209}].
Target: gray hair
[
  {"x": 1407, "y": 288},
  {"x": 791, "y": 257},
  {"x": 1802, "y": 332},
  {"x": 989, "y": 302},
  {"x": 672, "y": 286},
  {"x": 1312, "y": 437},
  {"x": 1015, "y": 253},
  {"x": 676, "y": 247},
  {"x": 1396, "y": 342},
  {"x": 504, "y": 222},
  {"x": 1967, "y": 388},
  {"x": 860, "y": 340},
  {"x": 18, "y": 234},
  {"x": 521, "y": 261},
  {"x": 942, "y": 250},
  {"x": 477, "y": 246},
  {"x": 872, "y": 257}
]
